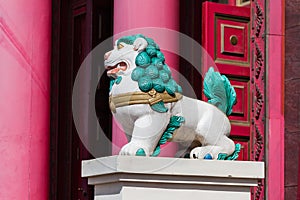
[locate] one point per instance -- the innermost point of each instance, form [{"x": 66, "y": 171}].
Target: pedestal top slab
[{"x": 172, "y": 166}]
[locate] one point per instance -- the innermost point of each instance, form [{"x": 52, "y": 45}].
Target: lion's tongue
[{"x": 114, "y": 71}]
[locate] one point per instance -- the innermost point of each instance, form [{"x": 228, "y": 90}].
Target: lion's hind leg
[{"x": 212, "y": 151}]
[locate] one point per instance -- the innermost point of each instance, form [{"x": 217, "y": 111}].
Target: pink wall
[
  {"x": 25, "y": 39},
  {"x": 133, "y": 14}
]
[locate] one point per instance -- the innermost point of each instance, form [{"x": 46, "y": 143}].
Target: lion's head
[{"x": 140, "y": 57}]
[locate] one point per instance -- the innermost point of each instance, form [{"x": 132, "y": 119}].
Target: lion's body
[{"x": 144, "y": 126}]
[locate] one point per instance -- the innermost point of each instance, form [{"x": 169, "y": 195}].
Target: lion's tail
[{"x": 219, "y": 91}]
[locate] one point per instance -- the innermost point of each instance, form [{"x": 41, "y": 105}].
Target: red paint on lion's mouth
[{"x": 113, "y": 70}]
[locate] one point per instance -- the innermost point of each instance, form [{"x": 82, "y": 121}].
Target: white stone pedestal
[{"x": 142, "y": 178}]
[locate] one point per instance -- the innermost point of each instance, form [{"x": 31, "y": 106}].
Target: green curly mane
[{"x": 151, "y": 71}]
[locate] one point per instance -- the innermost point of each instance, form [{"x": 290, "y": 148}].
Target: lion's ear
[{"x": 140, "y": 44}]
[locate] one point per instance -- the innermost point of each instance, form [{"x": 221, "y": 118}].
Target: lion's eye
[{"x": 120, "y": 46}]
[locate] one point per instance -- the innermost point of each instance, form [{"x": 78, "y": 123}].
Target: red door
[{"x": 226, "y": 35}]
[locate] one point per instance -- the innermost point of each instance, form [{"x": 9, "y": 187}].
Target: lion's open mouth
[{"x": 113, "y": 70}]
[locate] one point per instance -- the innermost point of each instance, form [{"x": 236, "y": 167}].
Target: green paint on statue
[
  {"x": 140, "y": 152},
  {"x": 159, "y": 107},
  {"x": 233, "y": 156},
  {"x": 175, "y": 123}
]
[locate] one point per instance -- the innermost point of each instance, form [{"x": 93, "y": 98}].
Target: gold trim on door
[{"x": 242, "y": 2}]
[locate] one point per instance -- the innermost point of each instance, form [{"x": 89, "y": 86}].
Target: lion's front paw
[
  {"x": 132, "y": 149},
  {"x": 206, "y": 152}
]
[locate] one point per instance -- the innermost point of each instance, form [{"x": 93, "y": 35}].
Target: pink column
[
  {"x": 133, "y": 14},
  {"x": 25, "y": 40},
  {"x": 275, "y": 99}
]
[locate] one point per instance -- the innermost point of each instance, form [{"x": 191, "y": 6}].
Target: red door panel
[
  {"x": 232, "y": 40},
  {"x": 226, "y": 38},
  {"x": 240, "y": 110}
]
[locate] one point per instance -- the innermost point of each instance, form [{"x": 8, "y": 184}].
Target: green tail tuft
[
  {"x": 230, "y": 94},
  {"x": 219, "y": 91}
]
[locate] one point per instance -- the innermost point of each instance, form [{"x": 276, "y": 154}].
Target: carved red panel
[
  {"x": 232, "y": 40},
  {"x": 240, "y": 117}
]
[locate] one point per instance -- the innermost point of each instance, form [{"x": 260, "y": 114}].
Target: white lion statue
[{"x": 148, "y": 103}]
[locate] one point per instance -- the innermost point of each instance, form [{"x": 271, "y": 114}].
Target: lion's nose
[{"x": 106, "y": 55}]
